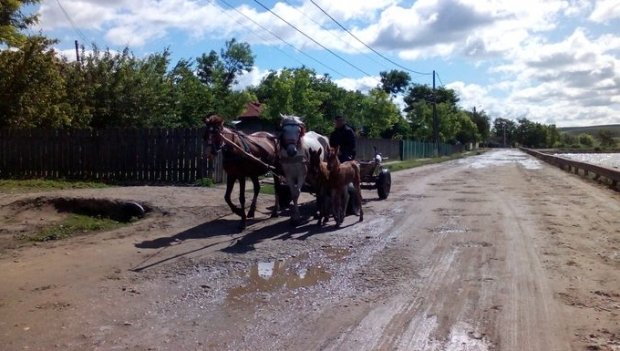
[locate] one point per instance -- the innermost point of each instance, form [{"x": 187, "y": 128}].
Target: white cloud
[
  {"x": 605, "y": 10},
  {"x": 559, "y": 80},
  {"x": 363, "y": 84},
  {"x": 575, "y": 79},
  {"x": 253, "y": 78}
]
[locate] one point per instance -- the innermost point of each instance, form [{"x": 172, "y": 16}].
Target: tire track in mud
[{"x": 407, "y": 319}]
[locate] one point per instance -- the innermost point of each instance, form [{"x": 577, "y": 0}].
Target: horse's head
[
  {"x": 314, "y": 164},
  {"x": 332, "y": 158},
  {"x": 212, "y": 138},
  {"x": 293, "y": 129}
]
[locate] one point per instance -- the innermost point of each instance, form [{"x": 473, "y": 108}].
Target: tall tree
[
  {"x": 32, "y": 88},
  {"x": 221, "y": 71},
  {"x": 424, "y": 93},
  {"x": 504, "y": 130},
  {"x": 394, "y": 82},
  {"x": 483, "y": 124},
  {"x": 13, "y": 20},
  {"x": 606, "y": 138}
]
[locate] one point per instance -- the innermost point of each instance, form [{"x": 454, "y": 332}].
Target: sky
[{"x": 554, "y": 62}]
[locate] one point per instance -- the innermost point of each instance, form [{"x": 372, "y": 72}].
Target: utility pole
[
  {"x": 77, "y": 52},
  {"x": 435, "y": 120},
  {"x": 504, "y": 125}
]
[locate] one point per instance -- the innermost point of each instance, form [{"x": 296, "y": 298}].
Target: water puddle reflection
[{"x": 271, "y": 276}]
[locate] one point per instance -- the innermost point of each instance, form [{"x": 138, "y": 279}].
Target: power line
[
  {"x": 438, "y": 77},
  {"x": 339, "y": 38},
  {"x": 282, "y": 40},
  {"x": 366, "y": 45},
  {"x": 238, "y": 20},
  {"x": 313, "y": 40},
  {"x": 75, "y": 28}
]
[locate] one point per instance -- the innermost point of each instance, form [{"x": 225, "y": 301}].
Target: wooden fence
[
  {"x": 141, "y": 156},
  {"x": 110, "y": 155},
  {"x": 388, "y": 148}
]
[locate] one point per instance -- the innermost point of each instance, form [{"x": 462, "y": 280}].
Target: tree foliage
[
  {"x": 13, "y": 21},
  {"x": 395, "y": 81}
]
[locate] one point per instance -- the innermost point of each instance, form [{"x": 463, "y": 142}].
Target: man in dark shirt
[{"x": 343, "y": 136}]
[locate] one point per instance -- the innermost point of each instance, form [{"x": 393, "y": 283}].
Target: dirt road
[{"x": 493, "y": 252}]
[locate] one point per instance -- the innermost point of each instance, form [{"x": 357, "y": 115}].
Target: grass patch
[
  {"x": 402, "y": 165},
  {"x": 46, "y": 184},
  {"x": 267, "y": 189},
  {"x": 75, "y": 224},
  {"x": 205, "y": 182}
]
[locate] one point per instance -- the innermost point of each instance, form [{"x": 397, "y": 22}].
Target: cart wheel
[
  {"x": 284, "y": 195},
  {"x": 384, "y": 183}
]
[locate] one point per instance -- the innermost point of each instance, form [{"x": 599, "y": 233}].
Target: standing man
[{"x": 343, "y": 136}]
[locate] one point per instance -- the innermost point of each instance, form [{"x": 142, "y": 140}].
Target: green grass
[
  {"x": 267, "y": 189},
  {"x": 75, "y": 224},
  {"x": 402, "y": 165},
  {"x": 44, "y": 184},
  {"x": 205, "y": 182}
]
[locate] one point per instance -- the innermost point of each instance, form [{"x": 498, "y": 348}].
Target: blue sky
[{"x": 550, "y": 61}]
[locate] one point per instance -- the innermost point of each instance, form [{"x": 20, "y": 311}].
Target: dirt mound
[{"x": 24, "y": 218}]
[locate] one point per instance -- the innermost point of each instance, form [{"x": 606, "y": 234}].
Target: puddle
[
  {"x": 271, "y": 276},
  {"x": 502, "y": 158}
]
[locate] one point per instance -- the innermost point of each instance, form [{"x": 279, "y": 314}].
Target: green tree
[
  {"x": 13, "y": 20},
  {"x": 32, "y": 88},
  {"x": 483, "y": 124},
  {"x": 467, "y": 129},
  {"x": 586, "y": 140},
  {"x": 126, "y": 91},
  {"x": 394, "y": 82},
  {"x": 569, "y": 140},
  {"x": 220, "y": 72},
  {"x": 378, "y": 113},
  {"x": 504, "y": 131},
  {"x": 606, "y": 138},
  {"x": 191, "y": 98},
  {"x": 424, "y": 93}
]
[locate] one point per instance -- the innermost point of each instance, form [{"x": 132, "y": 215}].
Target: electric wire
[
  {"x": 282, "y": 40},
  {"x": 313, "y": 40},
  {"x": 339, "y": 38},
  {"x": 366, "y": 45},
  {"x": 263, "y": 38},
  {"x": 73, "y": 25}
]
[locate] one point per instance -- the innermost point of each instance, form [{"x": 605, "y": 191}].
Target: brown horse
[
  {"x": 340, "y": 175},
  {"x": 319, "y": 174},
  {"x": 243, "y": 156}
]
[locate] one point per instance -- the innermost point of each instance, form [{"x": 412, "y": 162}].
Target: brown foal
[
  {"x": 319, "y": 176},
  {"x": 340, "y": 175}
]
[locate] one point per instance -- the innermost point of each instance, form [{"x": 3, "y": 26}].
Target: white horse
[{"x": 295, "y": 145}]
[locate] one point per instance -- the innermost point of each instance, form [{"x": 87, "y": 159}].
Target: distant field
[{"x": 593, "y": 130}]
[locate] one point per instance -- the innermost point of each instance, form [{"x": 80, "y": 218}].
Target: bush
[
  {"x": 586, "y": 140},
  {"x": 205, "y": 182}
]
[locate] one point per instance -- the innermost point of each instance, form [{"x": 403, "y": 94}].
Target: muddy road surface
[{"x": 492, "y": 252}]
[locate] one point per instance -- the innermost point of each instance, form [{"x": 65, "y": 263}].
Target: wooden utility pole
[
  {"x": 77, "y": 52},
  {"x": 435, "y": 120}
]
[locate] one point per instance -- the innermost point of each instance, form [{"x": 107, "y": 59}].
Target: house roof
[{"x": 252, "y": 110}]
